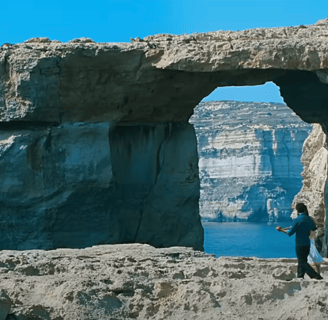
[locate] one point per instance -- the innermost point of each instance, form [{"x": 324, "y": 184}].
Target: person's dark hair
[{"x": 301, "y": 207}]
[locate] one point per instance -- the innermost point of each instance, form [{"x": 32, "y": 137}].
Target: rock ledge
[{"x": 135, "y": 281}]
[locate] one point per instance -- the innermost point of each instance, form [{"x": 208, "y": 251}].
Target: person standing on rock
[{"x": 302, "y": 226}]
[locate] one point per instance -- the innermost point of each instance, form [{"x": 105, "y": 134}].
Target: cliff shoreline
[{"x": 249, "y": 160}]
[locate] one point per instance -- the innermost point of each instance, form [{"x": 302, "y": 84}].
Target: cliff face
[
  {"x": 81, "y": 184},
  {"x": 313, "y": 192},
  {"x": 249, "y": 160}
]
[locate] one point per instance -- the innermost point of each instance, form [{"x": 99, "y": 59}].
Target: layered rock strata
[
  {"x": 249, "y": 160},
  {"x": 63, "y": 197},
  {"x": 141, "y": 282}
]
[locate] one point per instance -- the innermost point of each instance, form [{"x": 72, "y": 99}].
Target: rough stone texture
[
  {"x": 314, "y": 159},
  {"x": 48, "y": 172},
  {"x": 160, "y": 78},
  {"x": 69, "y": 167},
  {"x": 5, "y": 305},
  {"x": 249, "y": 160},
  {"x": 140, "y": 282},
  {"x": 157, "y": 81},
  {"x": 99, "y": 184}
]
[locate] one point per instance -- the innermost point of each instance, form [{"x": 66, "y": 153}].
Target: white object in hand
[{"x": 314, "y": 256}]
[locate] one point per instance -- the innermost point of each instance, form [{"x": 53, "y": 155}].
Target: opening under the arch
[
  {"x": 250, "y": 148},
  {"x": 268, "y": 92}
]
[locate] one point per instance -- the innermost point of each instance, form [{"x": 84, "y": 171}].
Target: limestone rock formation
[
  {"x": 313, "y": 194},
  {"x": 101, "y": 184},
  {"x": 140, "y": 282},
  {"x": 249, "y": 160},
  {"x": 139, "y": 181}
]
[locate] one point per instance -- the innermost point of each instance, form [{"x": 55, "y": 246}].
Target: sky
[{"x": 120, "y": 20}]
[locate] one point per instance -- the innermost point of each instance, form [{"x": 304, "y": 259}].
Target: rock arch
[{"x": 94, "y": 141}]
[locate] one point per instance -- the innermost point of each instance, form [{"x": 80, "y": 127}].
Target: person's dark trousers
[{"x": 303, "y": 267}]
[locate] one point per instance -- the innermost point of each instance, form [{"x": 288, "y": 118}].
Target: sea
[{"x": 248, "y": 239}]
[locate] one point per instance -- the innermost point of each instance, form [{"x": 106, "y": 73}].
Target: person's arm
[
  {"x": 284, "y": 230},
  {"x": 293, "y": 228},
  {"x": 289, "y": 230}
]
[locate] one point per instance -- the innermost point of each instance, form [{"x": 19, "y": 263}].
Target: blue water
[{"x": 248, "y": 239}]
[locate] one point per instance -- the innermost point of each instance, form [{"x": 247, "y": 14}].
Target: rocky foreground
[{"x": 135, "y": 281}]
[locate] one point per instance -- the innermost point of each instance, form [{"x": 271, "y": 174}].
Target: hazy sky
[{"x": 119, "y": 20}]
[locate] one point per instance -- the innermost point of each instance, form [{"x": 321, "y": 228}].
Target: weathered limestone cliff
[
  {"x": 313, "y": 192},
  {"x": 95, "y": 143},
  {"x": 249, "y": 160},
  {"x": 78, "y": 184}
]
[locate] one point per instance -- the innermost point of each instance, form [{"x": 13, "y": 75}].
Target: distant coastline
[{"x": 249, "y": 160}]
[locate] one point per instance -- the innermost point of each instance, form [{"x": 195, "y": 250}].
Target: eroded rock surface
[
  {"x": 249, "y": 160},
  {"x": 140, "y": 282},
  {"x": 313, "y": 192},
  {"x": 81, "y": 184},
  {"x": 160, "y": 78},
  {"x": 142, "y": 183}
]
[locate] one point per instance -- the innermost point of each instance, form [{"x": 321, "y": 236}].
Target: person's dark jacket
[{"x": 302, "y": 226}]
